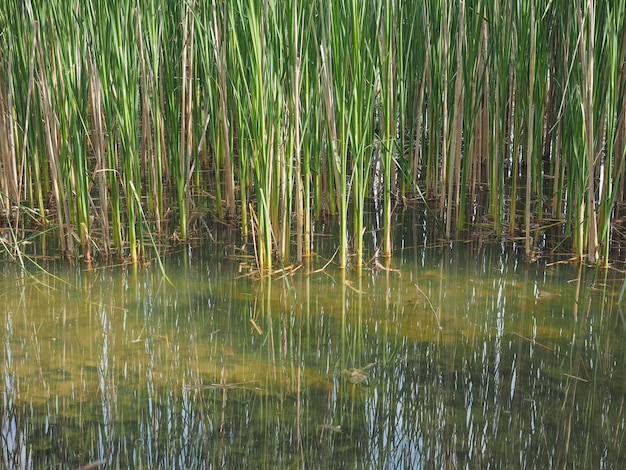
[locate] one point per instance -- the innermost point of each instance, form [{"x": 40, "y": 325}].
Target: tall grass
[{"x": 269, "y": 114}]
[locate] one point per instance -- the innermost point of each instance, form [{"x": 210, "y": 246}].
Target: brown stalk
[
  {"x": 98, "y": 143},
  {"x": 530, "y": 129},
  {"x": 51, "y": 134},
  {"x": 454, "y": 182},
  {"x": 220, "y": 64},
  {"x": 585, "y": 51}
]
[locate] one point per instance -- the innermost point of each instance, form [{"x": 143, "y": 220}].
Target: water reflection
[{"x": 464, "y": 357}]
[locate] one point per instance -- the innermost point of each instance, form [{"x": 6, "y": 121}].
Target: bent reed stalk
[{"x": 115, "y": 114}]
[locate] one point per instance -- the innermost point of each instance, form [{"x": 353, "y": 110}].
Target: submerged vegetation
[
  {"x": 464, "y": 358},
  {"x": 117, "y": 116}
]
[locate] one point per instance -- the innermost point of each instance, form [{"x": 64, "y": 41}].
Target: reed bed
[{"x": 116, "y": 115}]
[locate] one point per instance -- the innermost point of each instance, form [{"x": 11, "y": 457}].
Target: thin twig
[
  {"x": 323, "y": 268},
  {"x": 535, "y": 342},
  {"x": 431, "y": 305},
  {"x": 225, "y": 386}
]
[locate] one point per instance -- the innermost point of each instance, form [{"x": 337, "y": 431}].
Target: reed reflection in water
[{"x": 463, "y": 357}]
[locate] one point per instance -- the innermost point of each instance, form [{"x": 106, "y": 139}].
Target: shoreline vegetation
[{"x": 116, "y": 116}]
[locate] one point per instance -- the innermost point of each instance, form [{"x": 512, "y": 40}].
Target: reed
[
  {"x": 116, "y": 114},
  {"x": 388, "y": 115},
  {"x": 362, "y": 61}
]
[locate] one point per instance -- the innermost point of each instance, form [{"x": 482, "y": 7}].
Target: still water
[{"x": 458, "y": 356}]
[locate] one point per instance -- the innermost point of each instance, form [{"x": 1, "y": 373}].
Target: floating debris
[
  {"x": 357, "y": 376},
  {"x": 331, "y": 427}
]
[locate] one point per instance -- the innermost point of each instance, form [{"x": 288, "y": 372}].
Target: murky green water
[{"x": 466, "y": 357}]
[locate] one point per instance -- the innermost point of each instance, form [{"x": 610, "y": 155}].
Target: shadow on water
[{"x": 463, "y": 357}]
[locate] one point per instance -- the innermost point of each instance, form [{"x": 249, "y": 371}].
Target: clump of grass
[{"x": 272, "y": 114}]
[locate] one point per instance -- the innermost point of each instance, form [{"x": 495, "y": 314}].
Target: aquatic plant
[{"x": 269, "y": 115}]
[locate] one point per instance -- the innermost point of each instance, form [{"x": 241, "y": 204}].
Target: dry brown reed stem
[
  {"x": 454, "y": 182},
  {"x": 445, "y": 40},
  {"x": 586, "y": 52},
  {"x": 217, "y": 36},
  {"x": 186, "y": 128},
  {"x": 531, "y": 128}
]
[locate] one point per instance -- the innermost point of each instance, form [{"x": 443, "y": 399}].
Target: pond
[{"x": 454, "y": 356}]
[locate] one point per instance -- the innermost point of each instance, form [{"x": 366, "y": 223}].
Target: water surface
[{"x": 458, "y": 356}]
